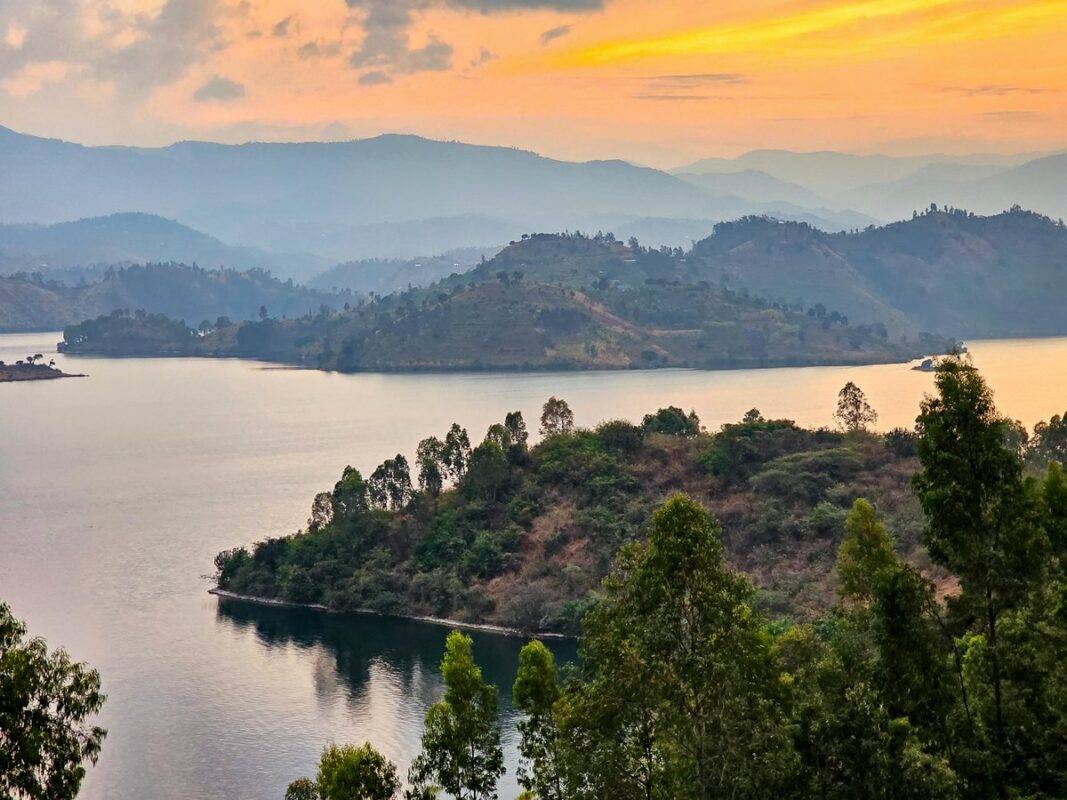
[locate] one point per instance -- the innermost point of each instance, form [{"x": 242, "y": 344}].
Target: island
[
  {"x": 32, "y": 368},
  {"x": 546, "y": 302}
]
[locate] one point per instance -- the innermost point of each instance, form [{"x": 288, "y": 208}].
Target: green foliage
[
  {"x": 677, "y": 667},
  {"x": 355, "y": 773},
  {"x": 854, "y": 413},
  {"x": 488, "y": 474},
  {"x": 535, "y": 693},
  {"x": 1049, "y": 442},
  {"x": 461, "y": 749},
  {"x": 740, "y": 449},
  {"x": 621, "y": 437},
  {"x": 672, "y": 421},
  {"x": 302, "y": 789},
  {"x": 556, "y": 417},
  {"x": 866, "y": 556},
  {"x": 45, "y": 700}
]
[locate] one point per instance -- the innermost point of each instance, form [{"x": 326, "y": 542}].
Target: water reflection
[{"x": 383, "y": 670}]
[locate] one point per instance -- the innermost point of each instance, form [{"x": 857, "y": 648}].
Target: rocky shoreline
[{"x": 450, "y": 623}]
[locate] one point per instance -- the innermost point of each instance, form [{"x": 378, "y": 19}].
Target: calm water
[{"x": 117, "y": 490}]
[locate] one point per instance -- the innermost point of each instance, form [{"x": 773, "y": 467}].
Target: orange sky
[{"x": 657, "y": 82}]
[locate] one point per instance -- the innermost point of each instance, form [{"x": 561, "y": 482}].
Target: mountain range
[
  {"x": 891, "y": 188},
  {"x": 391, "y": 196},
  {"x": 30, "y": 303}
]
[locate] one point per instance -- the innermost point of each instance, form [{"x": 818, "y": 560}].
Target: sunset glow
[{"x": 657, "y": 83}]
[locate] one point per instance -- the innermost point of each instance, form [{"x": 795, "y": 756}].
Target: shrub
[{"x": 672, "y": 421}]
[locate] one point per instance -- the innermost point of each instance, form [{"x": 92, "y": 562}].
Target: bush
[
  {"x": 620, "y": 436},
  {"x": 672, "y": 421}
]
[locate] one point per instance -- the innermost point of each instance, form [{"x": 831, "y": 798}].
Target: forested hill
[
  {"x": 548, "y": 302},
  {"x": 946, "y": 271},
  {"x": 30, "y": 302}
]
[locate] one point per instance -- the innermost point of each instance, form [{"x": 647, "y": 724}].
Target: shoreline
[{"x": 485, "y": 627}]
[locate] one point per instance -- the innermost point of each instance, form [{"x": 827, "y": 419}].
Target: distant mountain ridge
[
  {"x": 381, "y": 197},
  {"x": 176, "y": 290},
  {"x": 892, "y": 187},
  {"x": 130, "y": 238}
]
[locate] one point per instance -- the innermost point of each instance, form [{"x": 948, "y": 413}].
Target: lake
[{"x": 117, "y": 490}]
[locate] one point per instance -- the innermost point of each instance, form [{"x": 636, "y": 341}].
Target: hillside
[
  {"x": 946, "y": 271},
  {"x": 384, "y": 276},
  {"x": 130, "y": 238},
  {"x": 526, "y": 534},
  {"x": 548, "y": 302},
  {"x": 27, "y": 302}
]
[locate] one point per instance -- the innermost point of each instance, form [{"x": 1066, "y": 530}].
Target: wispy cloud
[
  {"x": 281, "y": 28},
  {"x": 549, "y": 36},
  {"x": 697, "y": 79},
  {"x": 994, "y": 90},
  {"x": 220, "y": 89}
]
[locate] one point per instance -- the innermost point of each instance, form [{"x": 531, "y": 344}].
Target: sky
[{"x": 659, "y": 82}]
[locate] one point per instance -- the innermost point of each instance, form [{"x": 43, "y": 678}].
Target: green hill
[
  {"x": 947, "y": 271},
  {"x": 31, "y": 302},
  {"x": 548, "y": 302}
]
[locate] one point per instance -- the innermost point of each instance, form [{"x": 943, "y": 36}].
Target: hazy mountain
[
  {"x": 950, "y": 272},
  {"x": 131, "y": 238},
  {"x": 179, "y": 291},
  {"x": 891, "y": 188},
  {"x": 829, "y": 173},
  {"x": 236, "y": 192},
  {"x": 384, "y": 276},
  {"x": 755, "y": 186},
  {"x": 387, "y": 197}
]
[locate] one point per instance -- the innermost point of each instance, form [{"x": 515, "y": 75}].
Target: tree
[
  {"x": 45, "y": 700},
  {"x": 322, "y": 511},
  {"x": 1049, "y": 442},
  {"x": 535, "y": 693},
  {"x": 457, "y": 451},
  {"x": 355, "y": 773},
  {"x": 302, "y": 789},
  {"x": 499, "y": 435},
  {"x": 390, "y": 484},
  {"x": 516, "y": 426},
  {"x": 556, "y": 417},
  {"x": 980, "y": 522},
  {"x": 430, "y": 458},
  {"x": 461, "y": 749},
  {"x": 351, "y": 495},
  {"x": 866, "y": 555},
  {"x": 673, "y": 421},
  {"x": 488, "y": 473},
  {"x": 854, "y": 413},
  {"x": 682, "y": 694}
]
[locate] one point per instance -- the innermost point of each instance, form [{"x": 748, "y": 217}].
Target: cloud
[
  {"x": 1012, "y": 116},
  {"x": 375, "y": 78},
  {"x": 318, "y": 49},
  {"x": 554, "y": 33},
  {"x": 386, "y": 47},
  {"x": 32, "y": 78},
  {"x": 219, "y": 89},
  {"x": 136, "y": 51},
  {"x": 994, "y": 90},
  {"x": 672, "y": 97},
  {"x": 485, "y": 55},
  {"x": 696, "y": 79},
  {"x": 281, "y": 28}
]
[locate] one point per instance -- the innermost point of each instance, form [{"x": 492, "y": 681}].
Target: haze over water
[{"x": 117, "y": 490}]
